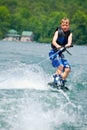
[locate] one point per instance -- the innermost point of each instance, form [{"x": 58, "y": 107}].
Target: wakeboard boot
[{"x": 57, "y": 81}]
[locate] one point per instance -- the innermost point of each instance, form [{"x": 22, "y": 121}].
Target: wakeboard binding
[{"x": 58, "y": 83}]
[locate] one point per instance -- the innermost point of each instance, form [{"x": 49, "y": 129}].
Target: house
[
  {"x": 27, "y": 36},
  {"x": 12, "y": 35}
]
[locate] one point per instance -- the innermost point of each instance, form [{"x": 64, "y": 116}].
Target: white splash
[{"x": 26, "y": 76}]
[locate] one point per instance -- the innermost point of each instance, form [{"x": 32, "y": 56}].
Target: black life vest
[{"x": 62, "y": 37}]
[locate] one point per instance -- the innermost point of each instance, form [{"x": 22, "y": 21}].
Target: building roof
[
  {"x": 12, "y": 33},
  {"x": 27, "y": 33}
]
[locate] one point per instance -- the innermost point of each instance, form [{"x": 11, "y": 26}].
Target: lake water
[{"x": 26, "y": 103}]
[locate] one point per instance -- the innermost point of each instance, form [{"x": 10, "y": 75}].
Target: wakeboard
[{"x": 56, "y": 88}]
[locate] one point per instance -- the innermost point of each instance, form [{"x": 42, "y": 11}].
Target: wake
[{"x": 24, "y": 77}]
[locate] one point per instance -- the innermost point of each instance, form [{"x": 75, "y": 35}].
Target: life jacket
[{"x": 62, "y": 37}]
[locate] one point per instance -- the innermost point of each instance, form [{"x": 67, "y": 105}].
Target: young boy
[{"x": 62, "y": 38}]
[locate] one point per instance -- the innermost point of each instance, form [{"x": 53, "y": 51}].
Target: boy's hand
[{"x": 61, "y": 50}]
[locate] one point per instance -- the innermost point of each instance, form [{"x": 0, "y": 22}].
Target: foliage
[
  {"x": 80, "y": 19},
  {"x": 4, "y": 20},
  {"x": 42, "y": 17}
]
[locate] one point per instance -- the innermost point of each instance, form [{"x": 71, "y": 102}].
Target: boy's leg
[
  {"x": 57, "y": 76},
  {"x": 67, "y": 69},
  {"x": 62, "y": 72},
  {"x": 64, "y": 76},
  {"x": 60, "y": 66},
  {"x": 65, "y": 73},
  {"x": 59, "y": 70}
]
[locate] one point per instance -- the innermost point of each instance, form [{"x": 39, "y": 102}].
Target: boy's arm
[
  {"x": 69, "y": 41},
  {"x": 54, "y": 40}
]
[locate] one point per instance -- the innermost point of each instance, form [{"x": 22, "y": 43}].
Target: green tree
[
  {"x": 80, "y": 27},
  {"x": 4, "y": 20}
]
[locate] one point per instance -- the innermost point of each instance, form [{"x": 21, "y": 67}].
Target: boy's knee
[
  {"x": 61, "y": 67},
  {"x": 68, "y": 70}
]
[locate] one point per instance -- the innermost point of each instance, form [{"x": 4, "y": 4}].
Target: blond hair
[{"x": 65, "y": 20}]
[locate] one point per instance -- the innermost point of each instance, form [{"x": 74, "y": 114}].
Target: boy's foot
[
  {"x": 58, "y": 81},
  {"x": 56, "y": 78},
  {"x": 63, "y": 82}
]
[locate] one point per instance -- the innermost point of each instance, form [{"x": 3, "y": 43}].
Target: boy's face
[{"x": 65, "y": 26}]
